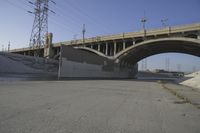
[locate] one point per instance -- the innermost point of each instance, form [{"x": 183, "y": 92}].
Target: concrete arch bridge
[
  {"x": 112, "y": 55},
  {"x": 183, "y": 39}
]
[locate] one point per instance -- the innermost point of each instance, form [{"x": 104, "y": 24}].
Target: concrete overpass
[{"x": 129, "y": 48}]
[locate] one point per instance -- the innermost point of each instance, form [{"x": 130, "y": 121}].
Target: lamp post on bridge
[
  {"x": 165, "y": 25},
  {"x": 83, "y": 31},
  {"x": 164, "y": 22},
  {"x": 143, "y": 21}
]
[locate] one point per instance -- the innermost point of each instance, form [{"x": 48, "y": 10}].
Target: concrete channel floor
[{"x": 94, "y": 106}]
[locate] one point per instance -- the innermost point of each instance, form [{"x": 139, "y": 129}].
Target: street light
[{"x": 164, "y": 22}]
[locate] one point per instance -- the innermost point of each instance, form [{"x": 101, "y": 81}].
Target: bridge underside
[{"x": 137, "y": 53}]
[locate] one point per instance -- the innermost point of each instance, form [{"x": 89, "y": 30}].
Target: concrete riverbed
[{"x": 94, "y": 106}]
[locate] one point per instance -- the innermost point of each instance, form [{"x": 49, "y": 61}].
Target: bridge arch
[
  {"x": 94, "y": 51},
  {"x": 139, "y": 51}
]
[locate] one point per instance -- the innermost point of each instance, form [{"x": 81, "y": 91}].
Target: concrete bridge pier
[
  {"x": 111, "y": 48},
  {"x": 106, "y": 49},
  {"x": 115, "y": 48},
  {"x": 92, "y": 46},
  {"x": 198, "y": 36},
  {"x": 124, "y": 44},
  {"x": 134, "y": 41},
  {"x": 98, "y": 49},
  {"x": 48, "y": 48}
]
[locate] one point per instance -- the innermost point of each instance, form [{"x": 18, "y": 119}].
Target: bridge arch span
[
  {"x": 148, "y": 48},
  {"x": 94, "y": 51}
]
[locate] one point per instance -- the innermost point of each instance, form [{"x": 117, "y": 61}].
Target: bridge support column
[
  {"x": 48, "y": 51},
  {"x": 92, "y": 47},
  {"x": 198, "y": 36},
  {"x": 133, "y": 41},
  {"x": 115, "y": 48},
  {"x": 98, "y": 47},
  {"x": 124, "y": 44},
  {"x": 106, "y": 50}
]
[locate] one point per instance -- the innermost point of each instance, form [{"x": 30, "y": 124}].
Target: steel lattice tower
[{"x": 40, "y": 24}]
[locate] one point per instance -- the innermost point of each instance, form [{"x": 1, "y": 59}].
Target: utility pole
[
  {"x": 9, "y": 46},
  {"x": 83, "y": 31},
  {"x": 2, "y": 48},
  {"x": 40, "y": 24}
]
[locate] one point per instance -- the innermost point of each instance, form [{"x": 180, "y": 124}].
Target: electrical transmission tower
[{"x": 40, "y": 24}]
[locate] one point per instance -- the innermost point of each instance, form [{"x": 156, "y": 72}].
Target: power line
[
  {"x": 92, "y": 19},
  {"x": 72, "y": 20},
  {"x": 32, "y": 6},
  {"x": 26, "y": 3},
  {"x": 77, "y": 26},
  {"x": 61, "y": 25},
  {"x": 15, "y": 5},
  {"x": 63, "y": 17}
]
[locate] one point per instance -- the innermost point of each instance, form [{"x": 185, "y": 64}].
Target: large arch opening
[
  {"x": 170, "y": 62},
  {"x": 137, "y": 52}
]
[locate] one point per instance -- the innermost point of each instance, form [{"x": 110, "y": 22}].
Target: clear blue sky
[{"x": 101, "y": 17}]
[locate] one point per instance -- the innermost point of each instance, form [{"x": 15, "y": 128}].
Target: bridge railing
[
  {"x": 174, "y": 29},
  {"x": 167, "y": 30}
]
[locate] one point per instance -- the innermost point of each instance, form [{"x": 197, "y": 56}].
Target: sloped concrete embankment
[
  {"x": 192, "y": 80},
  {"x": 20, "y": 64}
]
